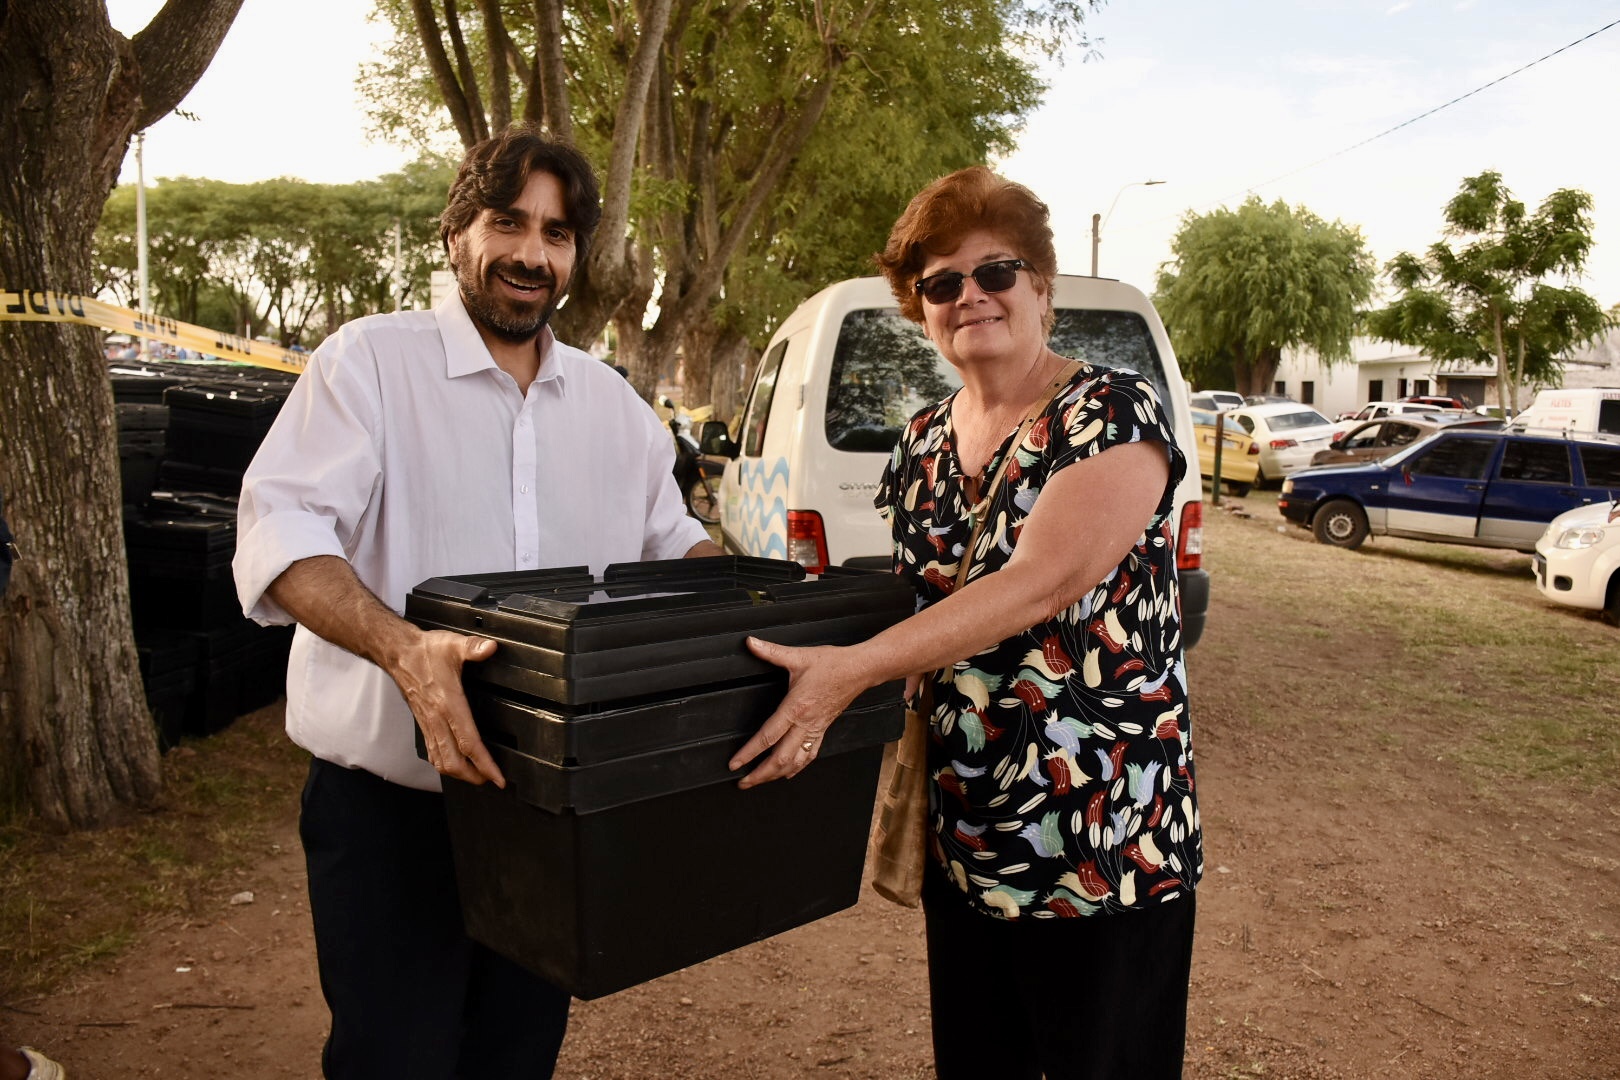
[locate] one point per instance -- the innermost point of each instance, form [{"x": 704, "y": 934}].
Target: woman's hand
[{"x": 822, "y": 681}]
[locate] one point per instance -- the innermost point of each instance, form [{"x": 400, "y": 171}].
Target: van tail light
[
  {"x": 1282, "y": 444},
  {"x": 1254, "y": 449},
  {"x": 1190, "y": 544},
  {"x": 807, "y": 540}
]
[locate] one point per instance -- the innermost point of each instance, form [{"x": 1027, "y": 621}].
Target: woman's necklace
[{"x": 984, "y": 431}]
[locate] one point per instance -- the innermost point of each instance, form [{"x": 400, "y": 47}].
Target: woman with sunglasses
[{"x": 1063, "y": 831}]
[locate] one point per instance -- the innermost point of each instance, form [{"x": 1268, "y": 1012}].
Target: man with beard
[{"x": 420, "y": 444}]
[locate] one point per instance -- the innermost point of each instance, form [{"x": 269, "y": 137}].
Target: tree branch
[
  {"x": 175, "y": 49},
  {"x": 500, "y": 80},
  {"x": 469, "y": 76},
  {"x": 627, "y": 125},
  {"x": 427, "y": 30},
  {"x": 551, "y": 71}
]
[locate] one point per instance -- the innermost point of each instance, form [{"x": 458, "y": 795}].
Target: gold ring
[{"x": 808, "y": 745}]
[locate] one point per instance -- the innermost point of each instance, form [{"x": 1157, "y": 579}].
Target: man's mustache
[{"x": 527, "y": 278}]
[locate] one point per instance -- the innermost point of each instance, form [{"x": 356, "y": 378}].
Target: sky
[{"x": 1217, "y": 100}]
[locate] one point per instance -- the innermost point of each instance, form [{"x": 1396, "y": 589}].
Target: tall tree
[
  {"x": 1483, "y": 294},
  {"x": 698, "y": 111},
  {"x": 1243, "y": 285},
  {"x": 76, "y": 741}
]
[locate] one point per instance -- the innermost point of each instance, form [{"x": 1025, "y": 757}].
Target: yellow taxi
[{"x": 1240, "y": 454}]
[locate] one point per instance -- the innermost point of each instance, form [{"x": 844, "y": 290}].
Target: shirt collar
[{"x": 466, "y": 353}]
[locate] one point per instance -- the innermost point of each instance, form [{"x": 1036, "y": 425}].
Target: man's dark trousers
[{"x": 412, "y": 998}]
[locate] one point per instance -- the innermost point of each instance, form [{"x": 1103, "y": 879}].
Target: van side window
[
  {"x": 883, "y": 371},
  {"x": 1609, "y": 416},
  {"x": 1462, "y": 459},
  {"x": 1601, "y": 464},
  {"x": 1536, "y": 462},
  {"x": 758, "y": 414}
]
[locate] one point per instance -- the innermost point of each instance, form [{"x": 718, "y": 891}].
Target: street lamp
[{"x": 1099, "y": 220}]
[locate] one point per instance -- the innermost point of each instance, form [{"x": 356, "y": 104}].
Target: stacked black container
[
  {"x": 621, "y": 848},
  {"x": 202, "y": 662}
]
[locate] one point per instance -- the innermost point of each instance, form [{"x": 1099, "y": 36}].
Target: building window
[
  {"x": 1420, "y": 387},
  {"x": 1400, "y": 388},
  {"x": 1279, "y": 388},
  {"x": 1307, "y": 393},
  {"x": 1375, "y": 390}
]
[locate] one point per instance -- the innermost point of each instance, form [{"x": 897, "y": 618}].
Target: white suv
[{"x": 844, "y": 373}]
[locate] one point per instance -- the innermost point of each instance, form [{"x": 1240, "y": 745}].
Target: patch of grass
[
  {"x": 1432, "y": 648},
  {"x": 69, "y": 902}
]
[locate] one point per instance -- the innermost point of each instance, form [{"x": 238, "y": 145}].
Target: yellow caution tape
[{"x": 43, "y": 305}]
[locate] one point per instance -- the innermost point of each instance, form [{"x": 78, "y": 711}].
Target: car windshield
[
  {"x": 1407, "y": 452},
  {"x": 885, "y": 369},
  {"x": 1289, "y": 421}
]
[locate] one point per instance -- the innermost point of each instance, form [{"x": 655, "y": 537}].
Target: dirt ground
[{"x": 1367, "y": 911}]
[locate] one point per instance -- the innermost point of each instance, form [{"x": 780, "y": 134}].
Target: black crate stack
[
  {"x": 186, "y": 433},
  {"x": 612, "y": 707}
]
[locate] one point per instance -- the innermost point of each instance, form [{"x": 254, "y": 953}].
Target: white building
[
  {"x": 1378, "y": 371},
  {"x": 1385, "y": 371}
]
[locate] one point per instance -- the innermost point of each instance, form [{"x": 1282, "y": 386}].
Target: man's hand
[
  {"x": 323, "y": 594},
  {"x": 429, "y": 675}
]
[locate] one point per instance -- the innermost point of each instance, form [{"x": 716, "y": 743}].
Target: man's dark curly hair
[{"x": 495, "y": 171}]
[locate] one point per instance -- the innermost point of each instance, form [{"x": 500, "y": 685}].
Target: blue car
[{"x": 1469, "y": 484}]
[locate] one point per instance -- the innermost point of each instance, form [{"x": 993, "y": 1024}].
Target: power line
[{"x": 1413, "y": 120}]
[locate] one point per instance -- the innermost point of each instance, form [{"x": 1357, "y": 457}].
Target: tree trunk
[
  {"x": 1265, "y": 369},
  {"x": 1507, "y": 387},
  {"x": 76, "y": 740},
  {"x": 697, "y": 358},
  {"x": 732, "y": 356}
]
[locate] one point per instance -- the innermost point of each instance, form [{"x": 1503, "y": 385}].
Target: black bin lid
[{"x": 646, "y": 628}]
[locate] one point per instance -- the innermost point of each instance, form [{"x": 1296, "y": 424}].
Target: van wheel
[{"x": 1341, "y": 523}]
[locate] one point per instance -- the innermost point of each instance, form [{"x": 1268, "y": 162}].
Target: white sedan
[
  {"x": 1577, "y": 559},
  {"x": 1288, "y": 435}
]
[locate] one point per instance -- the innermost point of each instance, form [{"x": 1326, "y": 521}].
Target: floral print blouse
[{"x": 1060, "y": 758}]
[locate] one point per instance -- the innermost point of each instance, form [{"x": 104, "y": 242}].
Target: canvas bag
[{"x": 899, "y": 849}]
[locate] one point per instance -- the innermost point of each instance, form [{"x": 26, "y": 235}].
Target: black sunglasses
[{"x": 992, "y": 277}]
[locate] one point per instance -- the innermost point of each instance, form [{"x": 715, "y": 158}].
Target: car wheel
[
  {"x": 1611, "y": 606},
  {"x": 1238, "y": 488},
  {"x": 1261, "y": 480},
  {"x": 1341, "y": 523}
]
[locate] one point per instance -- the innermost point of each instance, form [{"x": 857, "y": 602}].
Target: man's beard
[{"x": 508, "y": 320}]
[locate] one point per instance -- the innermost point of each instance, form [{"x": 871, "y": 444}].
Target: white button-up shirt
[{"x": 406, "y": 450}]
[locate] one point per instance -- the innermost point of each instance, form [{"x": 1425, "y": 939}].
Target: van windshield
[{"x": 884, "y": 369}]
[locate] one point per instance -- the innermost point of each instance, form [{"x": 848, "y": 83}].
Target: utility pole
[
  {"x": 1100, "y": 220},
  {"x": 140, "y": 233}
]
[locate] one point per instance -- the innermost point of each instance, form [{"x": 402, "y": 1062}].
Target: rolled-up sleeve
[{"x": 313, "y": 480}]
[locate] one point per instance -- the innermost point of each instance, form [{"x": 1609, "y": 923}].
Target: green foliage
[
  {"x": 1245, "y": 284},
  {"x": 281, "y": 256},
  {"x": 1482, "y": 296},
  {"x": 908, "y": 103}
]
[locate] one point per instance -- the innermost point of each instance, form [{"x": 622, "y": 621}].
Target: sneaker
[{"x": 42, "y": 1067}]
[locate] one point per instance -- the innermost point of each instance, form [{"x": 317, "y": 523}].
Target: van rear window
[{"x": 884, "y": 369}]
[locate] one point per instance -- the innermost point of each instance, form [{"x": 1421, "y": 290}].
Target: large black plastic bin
[{"x": 622, "y": 848}]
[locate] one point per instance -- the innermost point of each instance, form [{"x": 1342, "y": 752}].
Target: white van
[
  {"x": 843, "y": 374},
  {"x": 1590, "y": 409}
]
